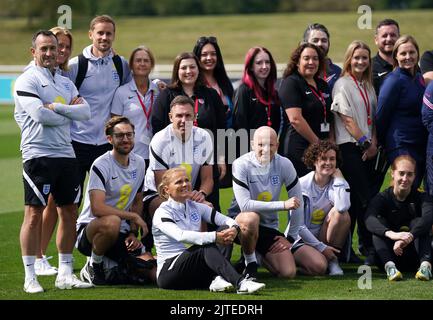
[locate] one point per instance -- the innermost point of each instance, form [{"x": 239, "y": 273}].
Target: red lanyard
[
  {"x": 268, "y": 107},
  {"x": 324, "y": 74},
  {"x": 365, "y": 98},
  {"x": 143, "y": 106},
  {"x": 196, "y": 112},
  {"x": 321, "y": 99},
  {"x": 220, "y": 92}
]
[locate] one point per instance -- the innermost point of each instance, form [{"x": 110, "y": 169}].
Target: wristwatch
[
  {"x": 203, "y": 193},
  {"x": 365, "y": 145}
]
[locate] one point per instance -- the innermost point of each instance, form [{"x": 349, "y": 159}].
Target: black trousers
[
  {"x": 359, "y": 175},
  {"x": 195, "y": 268},
  {"x": 415, "y": 253}
]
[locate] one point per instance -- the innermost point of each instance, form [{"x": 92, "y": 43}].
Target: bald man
[{"x": 257, "y": 180}]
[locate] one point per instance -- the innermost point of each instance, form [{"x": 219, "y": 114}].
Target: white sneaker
[
  {"x": 43, "y": 267},
  {"x": 219, "y": 284},
  {"x": 334, "y": 268},
  {"x": 84, "y": 273},
  {"x": 248, "y": 286},
  {"x": 32, "y": 286},
  {"x": 71, "y": 281}
]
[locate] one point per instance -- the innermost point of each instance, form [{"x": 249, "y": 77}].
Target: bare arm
[{"x": 301, "y": 125}]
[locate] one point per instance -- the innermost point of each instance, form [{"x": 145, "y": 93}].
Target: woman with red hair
[{"x": 256, "y": 100}]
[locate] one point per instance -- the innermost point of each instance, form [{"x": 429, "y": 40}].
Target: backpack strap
[
  {"x": 82, "y": 70},
  {"x": 119, "y": 67}
]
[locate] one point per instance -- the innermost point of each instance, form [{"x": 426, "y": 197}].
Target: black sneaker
[
  {"x": 251, "y": 270},
  {"x": 97, "y": 274}
]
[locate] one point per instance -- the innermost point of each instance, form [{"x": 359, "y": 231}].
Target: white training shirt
[
  {"x": 98, "y": 87},
  {"x": 127, "y": 103},
  {"x": 176, "y": 224},
  {"x": 319, "y": 201},
  {"x": 257, "y": 188},
  {"x": 120, "y": 184},
  {"x": 46, "y": 133},
  {"x": 168, "y": 151}
]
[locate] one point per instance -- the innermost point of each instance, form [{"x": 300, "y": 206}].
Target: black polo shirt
[
  {"x": 381, "y": 69},
  {"x": 295, "y": 92},
  {"x": 426, "y": 62}
]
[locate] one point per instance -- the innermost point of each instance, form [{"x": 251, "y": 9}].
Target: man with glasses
[{"x": 109, "y": 222}]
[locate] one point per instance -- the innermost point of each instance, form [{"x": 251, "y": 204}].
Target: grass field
[
  {"x": 306, "y": 288},
  {"x": 167, "y": 37}
]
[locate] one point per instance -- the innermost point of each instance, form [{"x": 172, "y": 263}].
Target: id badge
[{"x": 324, "y": 127}]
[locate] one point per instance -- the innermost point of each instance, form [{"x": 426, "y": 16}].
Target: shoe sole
[
  {"x": 252, "y": 292},
  {"x": 421, "y": 277},
  {"x": 226, "y": 289}
]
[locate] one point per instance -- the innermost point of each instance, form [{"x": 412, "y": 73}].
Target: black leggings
[
  {"x": 195, "y": 268},
  {"x": 415, "y": 253}
]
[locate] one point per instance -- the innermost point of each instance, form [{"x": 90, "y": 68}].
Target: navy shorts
[{"x": 58, "y": 176}]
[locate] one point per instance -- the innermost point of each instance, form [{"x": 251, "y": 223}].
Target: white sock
[
  {"x": 95, "y": 258},
  {"x": 65, "y": 263},
  {"x": 427, "y": 264},
  {"x": 389, "y": 264},
  {"x": 29, "y": 267},
  {"x": 250, "y": 258}
]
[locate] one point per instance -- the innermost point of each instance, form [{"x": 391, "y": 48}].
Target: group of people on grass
[{"x": 157, "y": 155}]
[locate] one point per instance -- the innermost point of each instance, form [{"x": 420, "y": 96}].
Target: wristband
[
  {"x": 238, "y": 229},
  {"x": 361, "y": 140},
  {"x": 203, "y": 193}
]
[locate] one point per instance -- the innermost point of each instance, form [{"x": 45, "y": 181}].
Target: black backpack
[{"x": 82, "y": 69}]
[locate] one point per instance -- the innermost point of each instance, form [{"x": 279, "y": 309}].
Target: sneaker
[
  {"x": 219, "y": 284},
  {"x": 250, "y": 270},
  {"x": 423, "y": 274},
  {"x": 93, "y": 273},
  {"x": 43, "y": 267},
  {"x": 334, "y": 268},
  {"x": 248, "y": 286},
  {"x": 32, "y": 286},
  {"x": 71, "y": 281},
  {"x": 393, "y": 274}
]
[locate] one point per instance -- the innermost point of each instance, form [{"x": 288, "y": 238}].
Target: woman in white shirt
[{"x": 176, "y": 223}]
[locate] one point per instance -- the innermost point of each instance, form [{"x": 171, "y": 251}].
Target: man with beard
[
  {"x": 45, "y": 105},
  {"x": 113, "y": 204},
  {"x": 318, "y": 35},
  {"x": 387, "y": 33}
]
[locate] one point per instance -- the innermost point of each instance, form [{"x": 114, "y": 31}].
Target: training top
[
  {"x": 126, "y": 102},
  {"x": 46, "y": 133},
  {"x": 98, "y": 87},
  {"x": 318, "y": 201},
  {"x": 332, "y": 73},
  {"x": 168, "y": 151},
  {"x": 348, "y": 101},
  {"x": 257, "y": 188},
  {"x": 176, "y": 224},
  {"x": 120, "y": 184}
]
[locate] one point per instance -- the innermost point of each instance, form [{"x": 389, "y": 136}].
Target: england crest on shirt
[
  {"x": 194, "y": 216},
  {"x": 275, "y": 180},
  {"x": 46, "y": 188},
  {"x": 134, "y": 174}
]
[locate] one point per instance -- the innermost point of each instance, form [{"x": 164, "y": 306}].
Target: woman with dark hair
[
  {"x": 210, "y": 113},
  {"x": 215, "y": 76},
  {"x": 256, "y": 100},
  {"x": 214, "y": 72},
  {"x": 399, "y": 125},
  {"x": 326, "y": 202},
  {"x": 306, "y": 99},
  {"x": 400, "y": 219}
]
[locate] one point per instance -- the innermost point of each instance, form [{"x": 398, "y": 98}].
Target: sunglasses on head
[{"x": 207, "y": 39}]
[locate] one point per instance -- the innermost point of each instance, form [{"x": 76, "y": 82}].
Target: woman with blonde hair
[
  {"x": 188, "y": 258},
  {"x": 354, "y": 105}
]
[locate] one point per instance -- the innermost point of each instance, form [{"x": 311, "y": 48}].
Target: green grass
[
  {"x": 302, "y": 287},
  {"x": 168, "y": 36}
]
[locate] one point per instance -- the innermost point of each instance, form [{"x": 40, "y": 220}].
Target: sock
[
  {"x": 65, "y": 263},
  {"x": 388, "y": 265},
  {"x": 250, "y": 258},
  {"x": 29, "y": 267},
  {"x": 427, "y": 264},
  {"x": 95, "y": 258}
]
